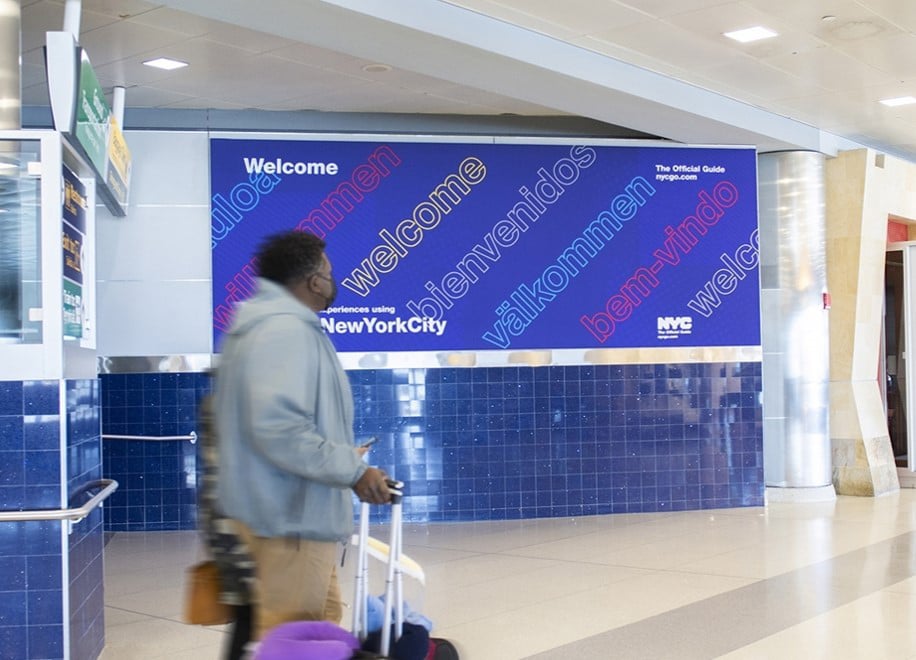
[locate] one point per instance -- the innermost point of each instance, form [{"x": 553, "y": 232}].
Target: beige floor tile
[
  {"x": 878, "y": 626},
  {"x": 115, "y": 616},
  {"x": 141, "y": 580},
  {"x": 516, "y": 634},
  {"x": 153, "y": 638},
  {"x": 482, "y": 569},
  {"x": 165, "y": 603},
  {"x": 514, "y": 589}
]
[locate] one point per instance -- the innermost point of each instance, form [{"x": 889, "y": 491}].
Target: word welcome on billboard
[{"x": 478, "y": 246}]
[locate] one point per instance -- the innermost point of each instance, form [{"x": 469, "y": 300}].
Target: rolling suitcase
[{"x": 397, "y": 565}]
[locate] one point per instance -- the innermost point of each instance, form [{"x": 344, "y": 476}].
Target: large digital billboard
[{"x": 475, "y": 246}]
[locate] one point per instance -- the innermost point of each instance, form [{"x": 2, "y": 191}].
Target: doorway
[{"x": 899, "y": 310}]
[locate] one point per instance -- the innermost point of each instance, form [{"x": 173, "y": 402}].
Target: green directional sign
[{"x": 92, "y": 117}]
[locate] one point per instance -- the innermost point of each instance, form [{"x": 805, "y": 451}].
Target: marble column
[{"x": 863, "y": 189}]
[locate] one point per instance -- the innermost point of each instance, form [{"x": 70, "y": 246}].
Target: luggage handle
[
  {"x": 394, "y": 588},
  {"x": 393, "y": 582},
  {"x": 396, "y": 488}
]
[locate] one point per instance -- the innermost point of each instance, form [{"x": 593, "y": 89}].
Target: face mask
[{"x": 329, "y": 300}]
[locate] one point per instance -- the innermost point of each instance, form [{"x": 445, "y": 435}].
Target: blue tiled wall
[
  {"x": 86, "y": 542},
  {"x": 31, "y": 599},
  {"x": 158, "y": 480},
  {"x": 502, "y": 443},
  {"x": 32, "y": 619},
  {"x": 490, "y": 443},
  {"x": 30, "y": 445}
]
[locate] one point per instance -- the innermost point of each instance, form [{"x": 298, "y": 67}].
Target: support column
[
  {"x": 10, "y": 119},
  {"x": 10, "y": 76},
  {"x": 795, "y": 329},
  {"x": 863, "y": 189},
  {"x": 51, "y": 575}
]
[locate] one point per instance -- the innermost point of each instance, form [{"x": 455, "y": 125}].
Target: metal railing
[
  {"x": 74, "y": 515},
  {"x": 192, "y": 436}
]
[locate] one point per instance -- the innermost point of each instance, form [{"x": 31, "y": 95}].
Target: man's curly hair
[{"x": 289, "y": 257}]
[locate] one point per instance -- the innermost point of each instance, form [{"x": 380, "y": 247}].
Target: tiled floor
[{"x": 814, "y": 580}]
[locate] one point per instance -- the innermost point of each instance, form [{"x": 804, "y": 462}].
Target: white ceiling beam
[{"x": 454, "y": 44}]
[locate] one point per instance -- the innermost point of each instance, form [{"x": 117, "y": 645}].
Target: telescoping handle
[
  {"x": 360, "y": 608},
  {"x": 394, "y": 589}
]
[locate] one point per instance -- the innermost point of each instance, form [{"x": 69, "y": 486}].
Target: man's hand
[{"x": 372, "y": 487}]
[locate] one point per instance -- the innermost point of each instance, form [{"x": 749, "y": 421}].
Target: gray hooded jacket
[{"x": 284, "y": 415}]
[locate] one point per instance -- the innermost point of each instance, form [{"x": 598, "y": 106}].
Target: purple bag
[{"x": 315, "y": 640}]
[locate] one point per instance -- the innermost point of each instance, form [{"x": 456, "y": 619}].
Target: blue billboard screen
[{"x": 457, "y": 246}]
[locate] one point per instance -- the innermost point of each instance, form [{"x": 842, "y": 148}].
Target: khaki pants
[{"x": 295, "y": 580}]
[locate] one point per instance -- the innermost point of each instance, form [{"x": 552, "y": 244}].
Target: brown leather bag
[{"x": 201, "y": 604}]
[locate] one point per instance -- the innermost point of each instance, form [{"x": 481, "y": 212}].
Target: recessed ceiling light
[
  {"x": 900, "y": 100},
  {"x": 751, "y": 34},
  {"x": 376, "y": 68},
  {"x": 165, "y": 63}
]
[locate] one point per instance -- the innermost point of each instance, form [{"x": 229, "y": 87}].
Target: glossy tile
[
  {"x": 496, "y": 443},
  {"x": 831, "y": 581}
]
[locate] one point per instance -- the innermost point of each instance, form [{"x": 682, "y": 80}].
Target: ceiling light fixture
[
  {"x": 165, "y": 63},
  {"x": 376, "y": 68},
  {"x": 755, "y": 33},
  {"x": 900, "y": 100}
]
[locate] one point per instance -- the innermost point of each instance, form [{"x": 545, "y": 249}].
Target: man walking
[{"x": 284, "y": 414}]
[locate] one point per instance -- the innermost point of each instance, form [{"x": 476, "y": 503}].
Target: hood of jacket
[{"x": 271, "y": 299}]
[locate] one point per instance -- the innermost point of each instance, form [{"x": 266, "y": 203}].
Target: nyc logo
[{"x": 675, "y": 323}]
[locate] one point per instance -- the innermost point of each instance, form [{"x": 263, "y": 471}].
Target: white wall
[{"x": 153, "y": 266}]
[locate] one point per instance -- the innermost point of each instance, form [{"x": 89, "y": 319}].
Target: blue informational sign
[
  {"x": 482, "y": 246},
  {"x": 75, "y": 202}
]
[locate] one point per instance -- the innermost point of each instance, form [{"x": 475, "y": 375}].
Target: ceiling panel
[
  {"x": 666, "y": 8},
  {"x": 118, "y": 8},
  {"x": 902, "y": 14},
  {"x": 712, "y": 23},
  {"x": 48, "y": 16},
  {"x": 831, "y": 62},
  {"x": 809, "y": 15},
  {"x": 688, "y": 51},
  {"x": 894, "y": 54},
  {"x": 117, "y": 41},
  {"x": 166, "y": 18},
  {"x": 152, "y": 96},
  {"x": 754, "y": 77},
  {"x": 322, "y": 57},
  {"x": 828, "y": 69},
  {"x": 240, "y": 37},
  {"x": 841, "y": 112}
]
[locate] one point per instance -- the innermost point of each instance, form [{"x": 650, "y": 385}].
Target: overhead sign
[
  {"x": 117, "y": 176},
  {"x": 482, "y": 246},
  {"x": 82, "y": 113},
  {"x": 92, "y": 116}
]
